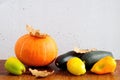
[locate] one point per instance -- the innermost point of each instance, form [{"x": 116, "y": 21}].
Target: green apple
[{"x": 14, "y": 66}]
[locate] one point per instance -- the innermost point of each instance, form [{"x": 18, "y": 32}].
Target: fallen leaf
[{"x": 39, "y": 73}]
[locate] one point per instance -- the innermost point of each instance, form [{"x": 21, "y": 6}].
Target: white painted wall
[{"x": 81, "y": 23}]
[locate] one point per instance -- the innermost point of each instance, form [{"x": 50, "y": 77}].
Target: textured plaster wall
[{"x": 72, "y": 23}]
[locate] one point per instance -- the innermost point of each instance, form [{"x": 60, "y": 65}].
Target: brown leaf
[
  {"x": 39, "y": 73},
  {"x": 77, "y": 50},
  {"x": 35, "y": 32}
]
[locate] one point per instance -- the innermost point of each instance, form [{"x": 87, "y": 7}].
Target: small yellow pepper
[{"x": 104, "y": 65}]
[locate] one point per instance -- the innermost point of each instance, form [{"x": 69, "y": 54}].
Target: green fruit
[
  {"x": 14, "y": 66},
  {"x": 76, "y": 66}
]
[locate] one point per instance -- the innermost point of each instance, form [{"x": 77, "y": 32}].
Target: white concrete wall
[{"x": 81, "y": 23}]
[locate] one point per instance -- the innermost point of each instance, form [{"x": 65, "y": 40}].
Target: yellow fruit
[{"x": 76, "y": 66}]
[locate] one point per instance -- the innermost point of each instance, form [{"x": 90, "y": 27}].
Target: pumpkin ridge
[
  {"x": 23, "y": 45},
  {"x": 45, "y": 54}
]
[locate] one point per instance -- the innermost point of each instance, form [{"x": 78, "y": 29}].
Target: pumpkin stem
[
  {"x": 77, "y": 50},
  {"x": 35, "y": 33}
]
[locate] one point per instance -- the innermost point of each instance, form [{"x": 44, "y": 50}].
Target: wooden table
[{"x": 59, "y": 74}]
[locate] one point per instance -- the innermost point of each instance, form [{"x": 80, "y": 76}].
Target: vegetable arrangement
[
  {"x": 33, "y": 50},
  {"x": 99, "y": 62},
  {"x": 39, "y": 49}
]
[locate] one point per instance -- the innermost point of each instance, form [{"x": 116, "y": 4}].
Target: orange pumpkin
[{"x": 36, "y": 49}]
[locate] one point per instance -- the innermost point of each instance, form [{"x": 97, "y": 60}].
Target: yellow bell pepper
[{"x": 104, "y": 65}]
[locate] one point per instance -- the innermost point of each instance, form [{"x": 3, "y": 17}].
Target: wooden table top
[{"x": 59, "y": 74}]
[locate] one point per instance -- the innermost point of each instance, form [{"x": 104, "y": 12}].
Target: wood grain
[{"x": 59, "y": 74}]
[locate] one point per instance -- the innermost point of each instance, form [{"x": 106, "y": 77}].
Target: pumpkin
[
  {"x": 105, "y": 65},
  {"x": 35, "y": 48}
]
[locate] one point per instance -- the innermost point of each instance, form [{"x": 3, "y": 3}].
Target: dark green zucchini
[
  {"x": 92, "y": 57},
  {"x": 61, "y": 60}
]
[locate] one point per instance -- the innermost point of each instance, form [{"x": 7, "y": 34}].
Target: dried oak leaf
[{"x": 39, "y": 73}]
